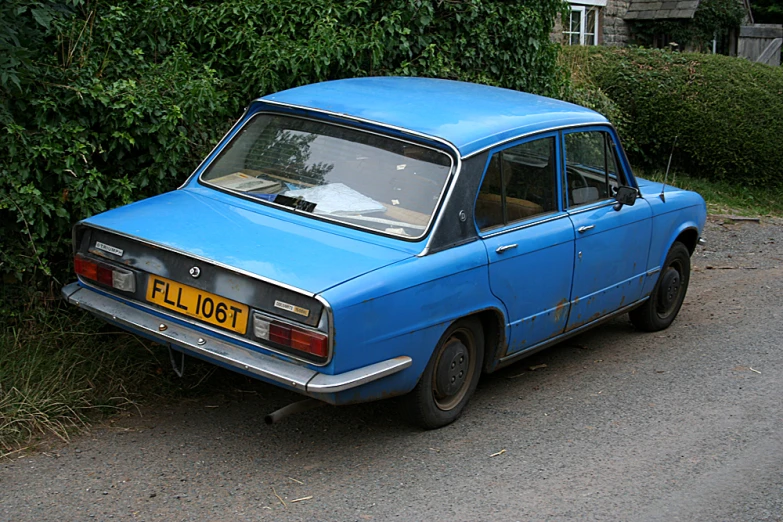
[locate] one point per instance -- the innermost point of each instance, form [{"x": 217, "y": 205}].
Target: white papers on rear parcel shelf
[{"x": 337, "y": 199}]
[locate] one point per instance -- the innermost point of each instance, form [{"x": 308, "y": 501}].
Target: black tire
[
  {"x": 450, "y": 378},
  {"x": 659, "y": 311}
]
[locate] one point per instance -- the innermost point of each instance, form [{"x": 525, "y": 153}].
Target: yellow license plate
[{"x": 197, "y": 303}]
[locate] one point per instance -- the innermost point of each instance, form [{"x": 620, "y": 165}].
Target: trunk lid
[{"x": 297, "y": 251}]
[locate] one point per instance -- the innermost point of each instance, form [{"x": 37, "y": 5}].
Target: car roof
[{"x": 470, "y": 116}]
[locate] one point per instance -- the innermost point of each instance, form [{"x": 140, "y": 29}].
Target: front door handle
[
  {"x": 503, "y": 248},
  {"x": 582, "y": 230}
]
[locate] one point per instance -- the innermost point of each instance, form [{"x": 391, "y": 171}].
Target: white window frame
[{"x": 583, "y": 10}]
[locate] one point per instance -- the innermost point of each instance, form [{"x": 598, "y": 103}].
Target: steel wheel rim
[
  {"x": 459, "y": 344},
  {"x": 670, "y": 292}
]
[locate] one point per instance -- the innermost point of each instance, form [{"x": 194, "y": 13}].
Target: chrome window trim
[
  {"x": 230, "y": 131},
  {"x": 201, "y": 258},
  {"x": 441, "y": 205},
  {"x": 537, "y": 131},
  {"x": 206, "y": 326},
  {"x": 547, "y": 216},
  {"x": 448, "y": 186},
  {"x": 587, "y": 207},
  {"x": 364, "y": 120},
  {"x": 522, "y": 226},
  {"x": 322, "y": 217}
]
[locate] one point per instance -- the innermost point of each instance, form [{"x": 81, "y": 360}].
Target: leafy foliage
[
  {"x": 726, "y": 112},
  {"x": 105, "y": 102},
  {"x": 767, "y": 11}
]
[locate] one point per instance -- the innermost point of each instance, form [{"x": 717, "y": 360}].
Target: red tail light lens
[
  {"x": 279, "y": 334},
  {"x": 85, "y": 268},
  {"x": 290, "y": 336},
  {"x": 315, "y": 344},
  {"x": 105, "y": 274}
]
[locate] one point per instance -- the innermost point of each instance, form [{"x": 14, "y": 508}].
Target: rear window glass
[{"x": 346, "y": 175}]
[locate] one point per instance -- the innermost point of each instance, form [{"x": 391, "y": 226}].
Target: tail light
[
  {"x": 290, "y": 336},
  {"x": 104, "y": 274}
]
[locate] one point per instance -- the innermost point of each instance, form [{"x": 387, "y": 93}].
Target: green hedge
[
  {"x": 105, "y": 102},
  {"x": 726, "y": 113}
]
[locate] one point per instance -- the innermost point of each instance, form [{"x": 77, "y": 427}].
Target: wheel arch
[
  {"x": 493, "y": 323},
  {"x": 688, "y": 237},
  {"x": 687, "y": 233}
]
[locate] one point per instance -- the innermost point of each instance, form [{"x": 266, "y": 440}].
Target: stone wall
[{"x": 615, "y": 30}]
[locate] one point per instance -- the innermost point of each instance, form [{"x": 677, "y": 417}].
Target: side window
[
  {"x": 520, "y": 183},
  {"x": 591, "y": 167}
]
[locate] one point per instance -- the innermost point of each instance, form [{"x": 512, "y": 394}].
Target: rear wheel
[
  {"x": 659, "y": 311},
  {"x": 450, "y": 378}
]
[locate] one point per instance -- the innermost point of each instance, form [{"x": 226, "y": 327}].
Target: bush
[
  {"x": 583, "y": 90},
  {"x": 726, "y": 113},
  {"x": 103, "y": 103}
]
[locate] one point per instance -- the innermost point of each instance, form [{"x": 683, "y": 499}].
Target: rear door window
[{"x": 520, "y": 183}]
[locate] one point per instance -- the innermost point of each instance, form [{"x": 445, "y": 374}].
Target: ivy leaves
[{"x": 107, "y": 102}]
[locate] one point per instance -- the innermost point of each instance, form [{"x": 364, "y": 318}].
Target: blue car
[{"x": 360, "y": 239}]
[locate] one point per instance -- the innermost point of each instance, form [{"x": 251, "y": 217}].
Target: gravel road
[{"x": 685, "y": 424}]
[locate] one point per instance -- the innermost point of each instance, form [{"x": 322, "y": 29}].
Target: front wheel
[
  {"x": 659, "y": 311},
  {"x": 450, "y": 378}
]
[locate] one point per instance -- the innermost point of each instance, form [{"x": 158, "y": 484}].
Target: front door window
[{"x": 591, "y": 167}]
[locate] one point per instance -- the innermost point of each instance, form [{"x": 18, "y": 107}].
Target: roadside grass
[
  {"x": 61, "y": 369},
  {"x": 727, "y": 198}
]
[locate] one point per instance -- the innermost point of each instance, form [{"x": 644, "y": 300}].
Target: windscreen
[{"x": 347, "y": 175}]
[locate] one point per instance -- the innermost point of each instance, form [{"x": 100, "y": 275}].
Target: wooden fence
[{"x": 761, "y": 43}]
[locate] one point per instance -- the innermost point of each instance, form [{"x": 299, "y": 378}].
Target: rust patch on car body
[
  {"x": 588, "y": 320},
  {"x": 560, "y": 309}
]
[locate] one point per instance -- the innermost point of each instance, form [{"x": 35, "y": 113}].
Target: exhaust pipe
[{"x": 291, "y": 409}]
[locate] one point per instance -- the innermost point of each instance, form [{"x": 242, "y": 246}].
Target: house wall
[{"x": 615, "y": 30}]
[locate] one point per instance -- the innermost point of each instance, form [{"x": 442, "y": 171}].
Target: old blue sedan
[{"x": 368, "y": 238}]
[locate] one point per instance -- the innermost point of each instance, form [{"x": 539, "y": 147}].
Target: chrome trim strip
[
  {"x": 329, "y": 324},
  {"x": 449, "y": 186},
  {"x": 323, "y": 383},
  {"x": 653, "y": 271},
  {"x": 442, "y": 204},
  {"x": 303, "y": 379},
  {"x": 508, "y": 359},
  {"x": 234, "y": 126},
  {"x": 598, "y": 205},
  {"x": 206, "y": 326},
  {"x": 537, "y": 131},
  {"x": 523, "y": 226},
  {"x": 200, "y": 258},
  {"x": 325, "y": 217},
  {"x": 344, "y": 116}
]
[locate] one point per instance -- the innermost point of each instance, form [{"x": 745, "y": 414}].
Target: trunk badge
[{"x": 195, "y": 272}]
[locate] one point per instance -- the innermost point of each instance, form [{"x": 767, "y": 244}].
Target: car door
[
  {"x": 611, "y": 244},
  {"x": 529, "y": 239}
]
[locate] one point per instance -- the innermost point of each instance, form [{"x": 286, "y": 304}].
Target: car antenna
[{"x": 666, "y": 176}]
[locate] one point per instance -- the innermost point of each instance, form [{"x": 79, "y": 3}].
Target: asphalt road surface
[{"x": 686, "y": 424}]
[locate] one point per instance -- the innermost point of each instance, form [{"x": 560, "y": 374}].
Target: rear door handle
[
  {"x": 582, "y": 230},
  {"x": 503, "y": 248}
]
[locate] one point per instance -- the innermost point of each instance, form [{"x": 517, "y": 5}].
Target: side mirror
[{"x": 625, "y": 196}]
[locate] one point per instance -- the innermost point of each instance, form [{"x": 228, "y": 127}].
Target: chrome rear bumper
[{"x": 301, "y": 378}]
